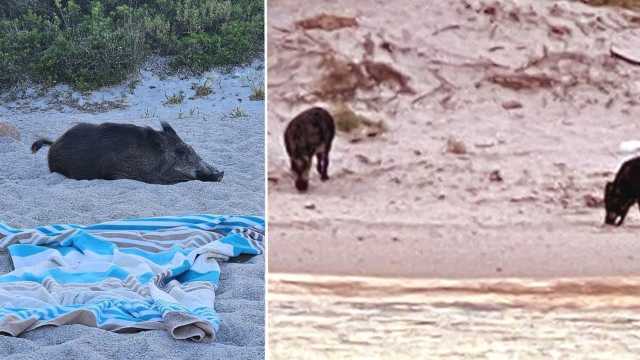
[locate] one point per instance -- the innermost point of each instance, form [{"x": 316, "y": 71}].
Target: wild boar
[
  {"x": 123, "y": 151},
  {"x": 309, "y": 133},
  {"x": 623, "y": 192}
]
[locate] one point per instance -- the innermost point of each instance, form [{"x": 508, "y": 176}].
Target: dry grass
[
  {"x": 202, "y": 90},
  {"x": 521, "y": 81},
  {"x": 456, "y": 146},
  {"x": 621, "y": 3},
  {"x": 348, "y": 121},
  {"x": 238, "y": 113},
  {"x": 327, "y": 22},
  {"x": 174, "y": 99},
  {"x": 257, "y": 93},
  {"x": 8, "y": 130}
]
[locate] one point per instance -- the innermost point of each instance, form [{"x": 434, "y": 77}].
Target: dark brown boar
[
  {"x": 623, "y": 192},
  {"x": 309, "y": 133},
  {"x": 123, "y": 151}
]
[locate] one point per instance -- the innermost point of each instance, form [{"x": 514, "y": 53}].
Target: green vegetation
[
  {"x": 132, "y": 85},
  {"x": 92, "y": 43}
]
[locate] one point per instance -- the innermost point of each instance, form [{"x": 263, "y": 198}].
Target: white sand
[{"x": 31, "y": 196}]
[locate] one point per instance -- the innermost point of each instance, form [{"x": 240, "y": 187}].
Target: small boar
[
  {"x": 623, "y": 192},
  {"x": 123, "y": 151},
  {"x": 309, "y": 133}
]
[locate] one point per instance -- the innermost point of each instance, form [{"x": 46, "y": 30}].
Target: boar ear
[
  {"x": 154, "y": 138},
  {"x": 168, "y": 129}
]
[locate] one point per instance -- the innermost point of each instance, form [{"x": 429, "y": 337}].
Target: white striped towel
[{"x": 150, "y": 273}]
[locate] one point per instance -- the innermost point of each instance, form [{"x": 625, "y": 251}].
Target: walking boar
[
  {"x": 123, "y": 151},
  {"x": 623, "y": 192},
  {"x": 309, "y": 133}
]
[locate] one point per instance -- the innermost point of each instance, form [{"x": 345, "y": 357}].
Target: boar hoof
[{"x": 302, "y": 185}]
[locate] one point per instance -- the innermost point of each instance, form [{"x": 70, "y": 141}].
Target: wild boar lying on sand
[
  {"x": 623, "y": 192},
  {"x": 309, "y": 133},
  {"x": 122, "y": 151}
]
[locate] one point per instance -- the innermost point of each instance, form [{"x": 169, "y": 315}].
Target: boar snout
[
  {"x": 610, "y": 219},
  {"x": 214, "y": 176},
  {"x": 209, "y": 173}
]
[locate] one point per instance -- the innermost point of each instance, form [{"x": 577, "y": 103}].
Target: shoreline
[{"x": 355, "y": 317}]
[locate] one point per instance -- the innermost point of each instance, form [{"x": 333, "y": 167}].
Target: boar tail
[{"x": 40, "y": 143}]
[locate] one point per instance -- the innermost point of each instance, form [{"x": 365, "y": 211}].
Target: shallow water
[{"x": 358, "y": 318}]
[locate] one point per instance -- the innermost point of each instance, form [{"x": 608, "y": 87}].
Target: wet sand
[{"x": 325, "y": 317}]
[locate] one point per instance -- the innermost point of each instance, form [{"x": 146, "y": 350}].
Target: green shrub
[
  {"x": 236, "y": 42},
  {"x": 21, "y": 42},
  {"x": 200, "y": 15},
  {"x": 95, "y": 54},
  {"x": 196, "y": 52},
  {"x": 92, "y": 43}
]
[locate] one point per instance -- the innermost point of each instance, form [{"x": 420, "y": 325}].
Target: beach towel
[{"x": 128, "y": 275}]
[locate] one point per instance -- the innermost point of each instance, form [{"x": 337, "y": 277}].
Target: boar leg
[
  {"x": 323, "y": 164},
  {"x": 319, "y": 160},
  {"x": 624, "y": 213},
  {"x": 302, "y": 178}
]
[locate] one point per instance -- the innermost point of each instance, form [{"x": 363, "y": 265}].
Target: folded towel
[{"x": 128, "y": 275}]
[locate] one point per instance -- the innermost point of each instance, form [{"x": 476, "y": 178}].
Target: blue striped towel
[{"x": 149, "y": 273}]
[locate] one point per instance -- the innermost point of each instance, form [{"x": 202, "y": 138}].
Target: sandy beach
[
  {"x": 503, "y": 121},
  {"x": 471, "y": 226},
  {"x": 229, "y": 139}
]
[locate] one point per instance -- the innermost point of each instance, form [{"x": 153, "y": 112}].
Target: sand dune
[
  {"x": 504, "y": 120},
  {"x": 503, "y": 123}
]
